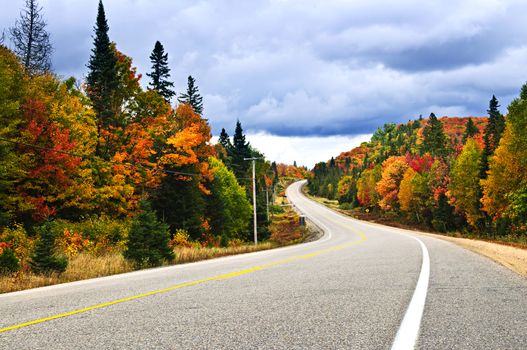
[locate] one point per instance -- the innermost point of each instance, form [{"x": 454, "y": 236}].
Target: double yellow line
[{"x": 362, "y": 236}]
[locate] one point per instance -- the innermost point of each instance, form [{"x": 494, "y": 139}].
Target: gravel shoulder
[{"x": 510, "y": 257}]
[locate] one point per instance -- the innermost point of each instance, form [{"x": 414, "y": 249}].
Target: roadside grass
[
  {"x": 285, "y": 230},
  {"x": 85, "y": 266},
  {"x": 80, "y": 267},
  {"x": 192, "y": 254}
]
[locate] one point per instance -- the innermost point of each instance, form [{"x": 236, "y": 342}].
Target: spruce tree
[
  {"x": 31, "y": 40},
  {"x": 192, "y": 96},
  {"x": 492, "y": 134},
  {"x": 160, "y": 72},
  {"x": 44, "y": 260},
  {"x": 434, "y": 138},
  {"x": 102, "y": 80},
  {"x": 224, "y": 139},
  {"x": 9, "y": 263},
  {"x": 470, "y": 130},
  {"x": 148, "y": 239},
  {"x": 239, "y": 151}
]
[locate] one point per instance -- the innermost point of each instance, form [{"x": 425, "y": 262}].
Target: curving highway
[{"x": 361, "y": 286}]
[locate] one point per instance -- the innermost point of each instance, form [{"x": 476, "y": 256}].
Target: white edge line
[{"x": 408, "y": 333}]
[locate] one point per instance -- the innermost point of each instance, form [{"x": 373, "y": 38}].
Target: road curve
[{"x": 353, "y": 288}]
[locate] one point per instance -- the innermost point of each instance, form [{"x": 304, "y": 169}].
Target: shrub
[
  {"x": 9, "y": 263},
  {"x": 72, "y": 243},
  {"x": 17, "y": 237},
  {"x": 148, "y": 240},
  {"x": 98, "y": 235},
  {"x": 44, "y": 260},
  {"x": 276, "y": 209},
  {"x": 181, "y": 239},
  {"x": 346, "y": 206}
]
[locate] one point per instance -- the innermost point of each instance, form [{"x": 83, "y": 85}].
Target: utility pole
[
  {"x": 254, "y": 198},
  {"x": 267, "y": 200}
]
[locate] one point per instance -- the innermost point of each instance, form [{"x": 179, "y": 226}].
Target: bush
[
  {"x": 346, "y": 206},
  {"x": 276, "y": 209},
  {"x": 44, "y": 260},
  {"x": 18, "y": 240},
  {"x": 148, "y": 240},
  {"x": 181, "y": 239},
  {"x": 9, "y": 263},
  {"x": 96, "y": 229}
]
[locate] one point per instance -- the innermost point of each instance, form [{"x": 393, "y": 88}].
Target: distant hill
[{"x": 407, "y": 137}]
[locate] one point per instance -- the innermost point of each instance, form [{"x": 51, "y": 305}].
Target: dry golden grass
[
  {"x": 80, "y": 267},
  {"x": 85, "y": 266},
  {"x": 186, "y": 255}
]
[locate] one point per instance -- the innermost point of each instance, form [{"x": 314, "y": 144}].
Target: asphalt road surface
[{"x": 361, "y": 286}]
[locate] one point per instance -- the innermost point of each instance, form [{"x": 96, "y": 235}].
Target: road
[{"x": 355, "y": 288}]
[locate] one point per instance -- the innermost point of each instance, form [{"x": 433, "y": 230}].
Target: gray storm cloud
[{"x": 294, "y": 68}]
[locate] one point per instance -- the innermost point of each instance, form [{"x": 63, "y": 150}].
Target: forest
[
  {"x": 106, "y": 167},
  {"x": 466, "y": 175}
]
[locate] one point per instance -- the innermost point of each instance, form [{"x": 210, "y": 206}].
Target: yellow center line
[{"x": 362, "y": 236}]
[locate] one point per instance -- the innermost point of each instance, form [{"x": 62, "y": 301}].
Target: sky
[{"x": 310, "y": 79}]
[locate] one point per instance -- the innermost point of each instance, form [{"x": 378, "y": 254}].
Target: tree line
[
  {"x": 110, "y": 165},
  {"x": 448, "y": 174}
]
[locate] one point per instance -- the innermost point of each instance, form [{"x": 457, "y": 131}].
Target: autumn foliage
[{"x": 445, "y": 173}]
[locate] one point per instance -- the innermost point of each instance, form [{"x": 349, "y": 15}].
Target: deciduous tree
[{"x": 465, "y": 190}]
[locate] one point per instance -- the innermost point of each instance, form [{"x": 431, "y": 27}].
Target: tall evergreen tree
[
  {"x": 240, "y": 150},
  {"x": 192, "y": 96},
  {"x": 434, "y": 138},
  {"x": 102, "y": 80},
  {"x": 180, "y": 203},
  {"x": 160, "y": 72},
  {"x": 31, "y": 40},
  {"x": 492, "y": 134},
  {"x": 224, "y": 139},
  {"x": 470, "y": 130}
]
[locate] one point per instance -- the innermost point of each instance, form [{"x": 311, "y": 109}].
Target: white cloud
[
  {"x": 297, "y": 67},
  {"x": 304, "y": 150}
]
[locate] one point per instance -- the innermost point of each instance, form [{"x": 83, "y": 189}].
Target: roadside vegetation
[
  {"x": 464, "y": 177},
  {"x": 104, "y": 176}
]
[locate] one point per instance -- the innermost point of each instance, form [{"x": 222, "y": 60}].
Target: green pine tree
[
  {"x": 44, "y": 260},
  {"x": 102, "y": 79},
  {"x": 434, "y": 138},
  {"x": 239, "y": 151},
  {"x": 224, "y": 139},
  {"x": 192, "y": 96},
  {"x": 470, "y": 130},
  {"x": 180, "y": 203},
  {"x": 148, "y": 239},
  {"x": 9, "y": 263},
  {"x": 160, "y": 72},
  {"x": 492, "y": 134},
  {"x": 442, "y": 214}
]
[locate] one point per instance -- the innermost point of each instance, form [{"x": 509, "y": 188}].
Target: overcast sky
[{"x": 298, "y": 70}]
